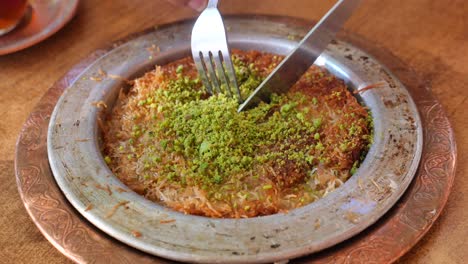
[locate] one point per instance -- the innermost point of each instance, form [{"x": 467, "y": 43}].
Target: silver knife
[{"x": 301, "y": 58}]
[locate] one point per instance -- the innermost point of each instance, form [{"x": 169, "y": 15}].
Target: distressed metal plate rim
[{"x": 78, "y": 166}]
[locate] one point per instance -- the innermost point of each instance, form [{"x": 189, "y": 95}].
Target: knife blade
[{"x": 304, "y": 55}]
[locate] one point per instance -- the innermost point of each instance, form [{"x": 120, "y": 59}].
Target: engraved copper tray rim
[{"x": 47, "y": 205}]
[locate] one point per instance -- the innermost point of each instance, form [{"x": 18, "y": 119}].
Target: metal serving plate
[{"x": 81, "y": 173}]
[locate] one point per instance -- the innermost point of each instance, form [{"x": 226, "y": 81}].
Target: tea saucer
[{"x": 42, "y": 19}]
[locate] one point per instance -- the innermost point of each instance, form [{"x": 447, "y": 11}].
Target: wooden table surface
[{"x": 429, "y": 35}]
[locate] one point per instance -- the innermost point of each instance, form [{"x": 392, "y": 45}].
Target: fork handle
[{"x": 212, "y": 4}]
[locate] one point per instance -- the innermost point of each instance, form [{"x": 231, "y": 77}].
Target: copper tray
[{"x": 409, "y": 220}]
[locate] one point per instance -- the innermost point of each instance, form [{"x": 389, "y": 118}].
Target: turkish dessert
[{"x": 172, "y": 142}]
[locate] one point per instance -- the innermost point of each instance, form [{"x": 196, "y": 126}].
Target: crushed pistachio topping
[{"x": 216, "y": 141}]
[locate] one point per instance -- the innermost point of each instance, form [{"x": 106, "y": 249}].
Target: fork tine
[
  {"x": 231, "y": 74},
  {"x": 221, "y": 72},
  {"x": 210, "y": 47},
  {"x": 202, "y": 71},
  {"x": 211, "y": 72}
]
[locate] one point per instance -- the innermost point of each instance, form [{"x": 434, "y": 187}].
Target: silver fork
[{"x": 211, "y": 53}]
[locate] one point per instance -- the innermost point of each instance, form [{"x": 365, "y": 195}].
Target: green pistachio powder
[{"x": 216, "y": 141}]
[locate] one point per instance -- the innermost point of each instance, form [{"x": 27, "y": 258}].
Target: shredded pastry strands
[
  {"x": 114, "y": 209},
  {"x": 170, "y": 141}
]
